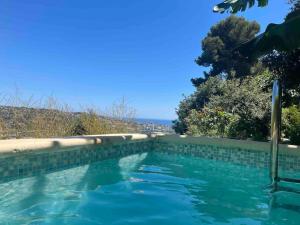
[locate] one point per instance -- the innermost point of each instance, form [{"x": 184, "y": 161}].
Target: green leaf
[
  {"x": 235, "y": 6},
  {"x": 280, "y": 37}
]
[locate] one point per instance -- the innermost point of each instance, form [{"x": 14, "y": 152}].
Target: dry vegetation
[{"x": 21, "y": 117}]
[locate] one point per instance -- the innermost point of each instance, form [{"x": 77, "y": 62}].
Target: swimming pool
[{"x": 150, "y": 187}]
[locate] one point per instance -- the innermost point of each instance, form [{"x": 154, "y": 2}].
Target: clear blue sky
[{"x": 96, "y": 51}]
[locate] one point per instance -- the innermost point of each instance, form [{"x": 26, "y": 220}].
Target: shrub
[
  {"x": 54, "y": 120},
  {"x": 291, "y": 124},
  {"x": 89, "y": 122},
  {"x": 249, "y": 99},
  {"x": 255, "y": 129},
  {"x": 209, "y": 122},
  {"x": 236, "y": 108},
  {"x": 3, "y": 129},
  {"x": 213, "y": 86}
]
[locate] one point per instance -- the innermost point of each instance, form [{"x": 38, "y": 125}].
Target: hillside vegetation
[{"x": 26, "y": 118}]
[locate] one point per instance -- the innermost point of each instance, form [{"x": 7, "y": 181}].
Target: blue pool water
[{"x": 148, "y": 188}]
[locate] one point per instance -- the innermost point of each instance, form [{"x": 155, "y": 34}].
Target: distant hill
[{"x": 16, "y": 121}]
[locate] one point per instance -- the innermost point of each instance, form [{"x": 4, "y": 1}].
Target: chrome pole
[{"x": 275, "y": 131}]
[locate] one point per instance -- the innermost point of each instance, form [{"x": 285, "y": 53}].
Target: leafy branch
[{"x": 235, "y": 6}]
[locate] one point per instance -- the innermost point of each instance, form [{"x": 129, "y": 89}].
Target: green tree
[
  {"x": 209, "y": 122},
  {"x": 217, "y": 49},
  {"x": 183, "y": 110},
  {"x": 291, "y": 123},
  {"x": 237, "y": 108},
  {"x": 279, "y": 46},
  {"x": 229, "y": 103},
  {"x": 286, "y": 65},
  {"x": 249, "y": 97},
  {"x": 281, "y": 37},
  {"x": 249, "y": 100},
  {"x": 213, "y": 86}
]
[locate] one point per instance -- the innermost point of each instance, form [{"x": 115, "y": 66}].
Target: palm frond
[
  {"x": 235, "y": 6},
  {"x": 280, "y": 37}
]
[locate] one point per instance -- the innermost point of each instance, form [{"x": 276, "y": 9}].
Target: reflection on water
[
  {"x": 149, "y": 188},
  {"x": 129, "y": 163}
]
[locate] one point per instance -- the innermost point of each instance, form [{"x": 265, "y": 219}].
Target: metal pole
[{"x": 275, "y": 131}]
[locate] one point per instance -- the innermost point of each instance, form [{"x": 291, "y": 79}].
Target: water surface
[{"x": 148, "y": 188}]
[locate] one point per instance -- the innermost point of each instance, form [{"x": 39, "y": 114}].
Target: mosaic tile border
[
  {"x": 242, "y": 156},
  {"x": 31, "y": 163},
  {"x": 22, "y": 165}
]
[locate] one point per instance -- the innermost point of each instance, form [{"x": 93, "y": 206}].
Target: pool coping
[{"x": 12, "y": 146}]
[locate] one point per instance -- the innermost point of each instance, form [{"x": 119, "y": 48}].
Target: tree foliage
[
  {"x": 217, "y": 48},
  {"x": 209, "y": 122},
  {"x": 281, "y": 37},
  {"x": 234, "y": 6},
  {"x": 238, "y": 5},
  {"x": 286, "y": 65},
  {"x": 237, "y": 108},
  {"x": 249, "y": 100},
  {"x": 240, "y": 108},
  {"x": 246, "y": 98},
  {"x": 291, "y": 123},
  {"x": 213, "y": 86},
  {"x": 227, "y": 101}
]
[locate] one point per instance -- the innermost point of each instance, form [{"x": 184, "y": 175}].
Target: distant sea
[{"x": 154, "y": 121}]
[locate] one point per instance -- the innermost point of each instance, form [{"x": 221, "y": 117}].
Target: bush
[
  {"x": 236, "y": 108},
  {"x": 3, "y": 129},
  {"x": 90, "y": 122},
  {"x": 255, "y": 129},
  {"x": 249, "y": 99},
  {"x": 291, "y": 124},
  {"x": 209, "y": 122},
  {"x": 54, "y": 120},
  {"x": 213, "y": 86}
]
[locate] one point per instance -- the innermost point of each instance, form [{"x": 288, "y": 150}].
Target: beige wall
[{"x": 21, "y": 145}]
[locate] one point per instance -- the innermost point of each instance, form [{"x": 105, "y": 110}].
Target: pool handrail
[
  {"x": 275, "y": 137},
  {"x": 275, "y": 131}
]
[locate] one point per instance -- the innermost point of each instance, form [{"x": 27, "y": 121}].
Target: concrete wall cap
[{"x": 19, "y": 145}]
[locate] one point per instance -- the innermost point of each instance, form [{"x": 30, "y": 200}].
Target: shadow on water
[
  {"x": 276, "y": 205},
  {"x": 54, "y": 194},
  {"x": 101, "y": 173},
  {"x": 36, "y": 193},
  {"x": 110, "y": 171},
  {"x": 282, "y": 199},
  {"x": 37, "y": 189},
  {"x": 97, "y": 173}
]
